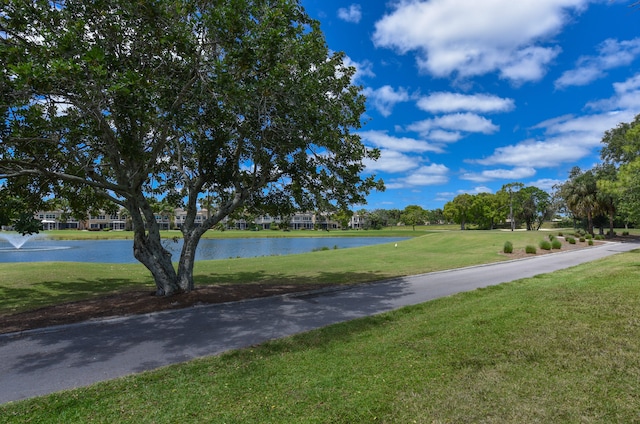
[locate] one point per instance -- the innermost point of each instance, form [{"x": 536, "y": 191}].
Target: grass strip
[
  {"x": 560, "y": 347},
  {"x": 25, "y": 286}
]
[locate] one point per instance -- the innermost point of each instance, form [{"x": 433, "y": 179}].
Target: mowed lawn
[
  {"x": 33, "y": 285},
  {"x": 558, "y": 348}
]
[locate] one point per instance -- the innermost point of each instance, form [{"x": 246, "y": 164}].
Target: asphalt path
[{"x": 39, "y": 362}]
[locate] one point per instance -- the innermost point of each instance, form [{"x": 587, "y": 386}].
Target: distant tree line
[{"x": 514, "y": 203}]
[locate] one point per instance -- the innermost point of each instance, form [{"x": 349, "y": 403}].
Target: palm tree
[
  {"x": 581, "y": 195},
  {"x": 607, "y": 198}
]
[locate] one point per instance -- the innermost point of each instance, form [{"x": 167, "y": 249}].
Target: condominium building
[{"x": 59, "y": 220}]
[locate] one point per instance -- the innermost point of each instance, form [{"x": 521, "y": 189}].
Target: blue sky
[{"x": 465, "y": 96}]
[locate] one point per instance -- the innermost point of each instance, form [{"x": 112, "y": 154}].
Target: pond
[{"x": 121, "y": 251}]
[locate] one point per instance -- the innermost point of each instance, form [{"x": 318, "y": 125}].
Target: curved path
[{"x": 43, "y": 361}]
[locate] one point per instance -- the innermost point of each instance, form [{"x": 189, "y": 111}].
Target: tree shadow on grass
[{"x": 55, "y": 292}]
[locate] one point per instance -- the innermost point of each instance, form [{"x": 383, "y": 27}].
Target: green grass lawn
[
  {"x": 561, "y": 347},
  {"x": 24, "y": 287}
]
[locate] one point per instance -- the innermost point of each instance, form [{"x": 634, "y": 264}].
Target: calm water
[{"x": 121, "y": 251}]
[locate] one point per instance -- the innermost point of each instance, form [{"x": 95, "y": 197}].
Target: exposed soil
[{"x": 141, "y": 302}]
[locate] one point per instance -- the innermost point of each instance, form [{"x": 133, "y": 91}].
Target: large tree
[
  {"x": 534, "y": 207},
  {"x": 622, "y": 144},
  {"x": 413, "y": 215},
  {"x": 509, "y": 192},
  {"x": 607, "y": 197},
  {"x": 458, "y": 210},
  {"x": 127, "y": 100},
  {"x": 580, "y": 193},
  {"x": 619, "y": 177},
  {"x": 487, "y": 209}
]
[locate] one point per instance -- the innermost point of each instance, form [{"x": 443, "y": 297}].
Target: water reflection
[{"x": 121, "y": 251}]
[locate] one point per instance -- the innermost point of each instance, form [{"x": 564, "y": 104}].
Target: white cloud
[
  {"x": 455, "y": 102},
  {"x": 612, "y": 54},
  {"x": 393, "y": 162},
  {"x": 539, "y": 154},
  {"x": 632, "y": 84},
  {"x": 480, "y": 189},
  {"x": 445, "y": 196},
  {"x": 626, "y": 98},
  {"x": 629, "y": 100},
  {"x": 434, "y": 174},
  {"x": 546, "y": 184},
  {"x": 500, "y": 174},
  {"x": 529, "y": 64},
  {"x": 363, "y": 69},
  {"x": 442, "y": 136},
  {"x": 464, "y": 122},
  {"x": 385, "y": 98},
  {"x": 589, "y": 128},
  {"x": 470, "y": 37},
  {"x": 352, "y": 14},
  {"x": 429, "y": 175},
  {"x": 399, "y": 144},
  {"x": 569, "y": 138},
  {"x": 580, "y": 76}
]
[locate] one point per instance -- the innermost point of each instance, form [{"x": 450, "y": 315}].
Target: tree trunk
[
  {"x": 187, "y": 260},
  {"x": 611, "y": 222},
  {"x": 149, "y": 251},
  {"x": 589, "y": 223}
]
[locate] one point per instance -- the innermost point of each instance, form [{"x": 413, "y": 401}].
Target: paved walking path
[{"x": 43, "y": 361}]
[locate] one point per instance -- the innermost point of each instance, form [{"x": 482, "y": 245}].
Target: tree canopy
[
  {"x": 619, "y": 177},
  {"x": 123, "y": 101},
  {"x": 459, "y": 209},
  {"x": 413, "y": 215},
  {"x": 534, "y": 207}
]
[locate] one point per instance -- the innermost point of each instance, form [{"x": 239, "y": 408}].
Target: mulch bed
[{"x": 140, "y": 302}]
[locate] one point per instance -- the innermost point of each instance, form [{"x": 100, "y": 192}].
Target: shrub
[
  {"x": 552, "y": 237},
  {"x": 571, "y": 240},
  {"x": 582, "y": 239},
  {"x": 556, "y": 244},
  {"x": 530, "y": 249},
  {"x": 599, "y": 237},
  {"x": 588, "y": 236},
  {"x": 590, "y": 242},
  {"x": 560, "y": 234},
  {"x": 508, "y": 247},
  {"x": 545, "y": 245},
  {"x": 625, "y": 233}
]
